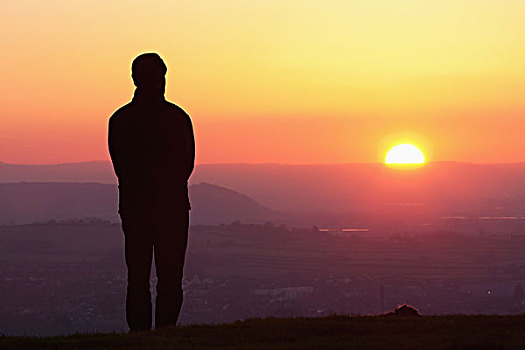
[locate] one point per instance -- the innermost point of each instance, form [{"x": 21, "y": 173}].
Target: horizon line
[{"x": 275, "y": 163}]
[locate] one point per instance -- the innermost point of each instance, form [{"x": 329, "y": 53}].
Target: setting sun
[{"x": 404, "y": 154}]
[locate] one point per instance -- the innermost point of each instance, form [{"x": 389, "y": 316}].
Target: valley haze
[{"x": 333, "y": 194}]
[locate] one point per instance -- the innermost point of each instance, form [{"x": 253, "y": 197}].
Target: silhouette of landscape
[{"x": 448, "y": 251}]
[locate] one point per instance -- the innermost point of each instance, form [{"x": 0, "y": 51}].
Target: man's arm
[
  {"x": 114, "y": 145},
  {"x": 190, "y": 148}
]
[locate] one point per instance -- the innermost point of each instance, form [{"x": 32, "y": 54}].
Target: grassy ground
[{"x": 336, "y": 332}]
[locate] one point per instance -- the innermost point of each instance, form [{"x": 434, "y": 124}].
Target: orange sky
[{"x": 271, "y": 81}]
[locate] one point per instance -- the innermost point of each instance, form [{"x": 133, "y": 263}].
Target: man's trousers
[{"x": 164, "y": 234}]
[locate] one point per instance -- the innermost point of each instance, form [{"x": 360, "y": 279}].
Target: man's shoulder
[
  {"x": 120, "y": 113},
  {"x": 176, "y": 110}
]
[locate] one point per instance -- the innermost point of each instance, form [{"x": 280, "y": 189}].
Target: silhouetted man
[{"x": 153, "y": 150}]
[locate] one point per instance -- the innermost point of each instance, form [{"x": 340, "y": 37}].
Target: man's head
[{"x": 148, "y": 72}]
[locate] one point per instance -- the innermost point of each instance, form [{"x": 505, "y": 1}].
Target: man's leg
[
  {"x": 138, "y": 251},
  {"x": 170, "y": 249}
]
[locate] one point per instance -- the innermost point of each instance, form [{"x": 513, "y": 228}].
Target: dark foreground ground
[{"x": 335, "y": 332}]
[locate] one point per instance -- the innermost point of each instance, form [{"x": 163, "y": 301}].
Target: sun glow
[{"x": 404, "y": 154}]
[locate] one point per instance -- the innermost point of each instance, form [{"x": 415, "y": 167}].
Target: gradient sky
[{"x": 270, "y": 81}]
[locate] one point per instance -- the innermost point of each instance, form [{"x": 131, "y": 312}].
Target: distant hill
[
  {"x": 438, "y": 189},
  {"x": 26, "y": 202},
  {"x": 370, "y": 186},
  {"x": 97, "y": 171},
  {"x": 212, "y": 204}
]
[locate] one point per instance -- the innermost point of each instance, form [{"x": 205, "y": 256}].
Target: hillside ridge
[{"x": 333, "y": 332}]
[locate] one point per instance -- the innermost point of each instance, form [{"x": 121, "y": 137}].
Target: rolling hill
[{"x": 26, "y": 202}]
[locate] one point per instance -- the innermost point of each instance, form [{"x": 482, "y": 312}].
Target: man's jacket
[{"x": 152, "y": 147}]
